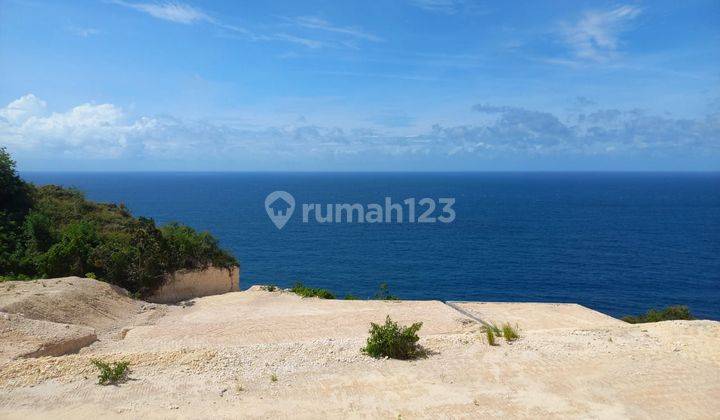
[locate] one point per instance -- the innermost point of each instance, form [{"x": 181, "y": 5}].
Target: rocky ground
[{"x": 260, "y": 354}]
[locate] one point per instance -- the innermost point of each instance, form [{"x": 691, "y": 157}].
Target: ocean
[{"x": 619, "y": 243}]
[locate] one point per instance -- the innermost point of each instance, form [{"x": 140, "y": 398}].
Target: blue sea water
[{"x": 619, "y": 243}]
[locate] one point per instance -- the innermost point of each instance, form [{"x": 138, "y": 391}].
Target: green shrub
[
  {"x": 383, "y": 293},
  {"x": 490, "y": 337},
  {"x": 18, "y": 277},
  {"x": 51, "y": 231},
  {"x": 304, "y": 291},
  {"x": 667, "y": 314},
  {"x": 38, "y": 233},
  {"x": 189, "y": 249},
  {"x": 509, "y": 333},
  {"x": 350, "y": 297},
  {"x": 111, "y": 373},
  {"x": 15, "y": 204},
  {"x": 271, "y": 288},
  {"x": 393, "y": 341},
  {"x": 273, "y": 378},
  {"x": 70, "y": 256}
]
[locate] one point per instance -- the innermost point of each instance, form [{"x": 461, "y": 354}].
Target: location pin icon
[{"x": 279, "y": 206}]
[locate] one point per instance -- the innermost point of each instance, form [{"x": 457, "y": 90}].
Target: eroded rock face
[
  {"x": 53, "y": 317},
  {"x": 21, "y": 337},
  {"x": 70, "y": 300},
  {"x": 189, "y": 284}
]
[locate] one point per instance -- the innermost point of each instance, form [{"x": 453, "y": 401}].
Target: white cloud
[
  {"x": 188, "y": 15},
  {"x": 443, "y": 6},
  {"x": 19, "y": 110},
  {"x": 83, "y": 32},
  {"x": 94, "y": 130},
  {"x": 307, "y": 42},
  {"x": 180, "y": 13},
  {"x": 450, "y": 7},
  {"x": 91, "y": 131},
  {"x": 317, "y": 23},
  {"x": 596, "y": 36},
  {"x": 171, "y": 11}
]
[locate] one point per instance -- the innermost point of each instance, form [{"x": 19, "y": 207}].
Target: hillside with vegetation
[{"x": 51, "y": 231}]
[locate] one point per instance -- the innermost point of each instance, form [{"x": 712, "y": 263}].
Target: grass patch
[
  {"x": 490, "y": 336},
  {"x": 239, "y": 387},
  {"x": 393, "y": 341},
  {"x": 111, "y": 373},
  {"x": 667, "y": 314},
  {"x": 304, "y": 291},
  {"x": 509, "y": 333},
  {"x": 492, "y": 332}
]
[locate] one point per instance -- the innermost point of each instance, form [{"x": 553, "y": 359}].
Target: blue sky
[{"x": 385, "y": 85}]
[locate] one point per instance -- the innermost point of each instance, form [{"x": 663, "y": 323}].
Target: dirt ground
[{"x": 217, "y": 356}]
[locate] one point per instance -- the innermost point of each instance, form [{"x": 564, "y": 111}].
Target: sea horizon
[
  {"x": 617, "y": 242},
  {"x": 588, "y": 171}
]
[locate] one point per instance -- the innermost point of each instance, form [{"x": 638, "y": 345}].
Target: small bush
[
  {"x": 90, "y": 276},
  {"x": 271, "y": 288},
  {"x": 383, "y": 293},
  {"x": 111, "y": 373},
  {"x": 509, "y": 333},
  {"x": 350, "y": 297},
  {"x": 393, "y": 341},
  {"x": 494, "y": 328},
  {"x": 239, "y": 387},
  {"x": 490, "y": 337},
  {"x": 667, "y": 314},
  {"x": 273, "y": 378},
  {"x": 304, "y": 291}
]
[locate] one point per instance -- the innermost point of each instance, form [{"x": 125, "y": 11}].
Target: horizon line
[{"x": 517, "y": 171}]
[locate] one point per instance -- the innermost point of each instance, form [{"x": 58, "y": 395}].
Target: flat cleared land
[
  {"x": 214, "y": 357},
  {"x": 538, "y": 316}
]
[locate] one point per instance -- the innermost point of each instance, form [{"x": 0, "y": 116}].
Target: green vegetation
[
  {"x": 490, "y": 336},
  {"x": 301, "y": 289},
  {"x": 393, "y": 341},
  {"x": 304, "y": 291},
  {"x": 509, "y": 333},
  {"x": 239, "y": 387},
  {"x": 383, "y": 293},
  {"x": 111, "y": 373},
  {"x": 667, "y": 314},
  {"x": 492, "y": 331},
  {"x": 273, "y": 378},
  {"x": 51, "y": 231}
]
